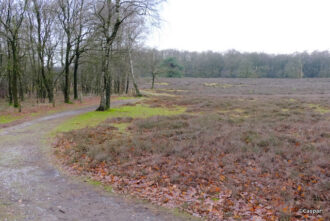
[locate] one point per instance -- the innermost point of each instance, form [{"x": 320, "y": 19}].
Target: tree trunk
[
  {"x": 153, "y": 81},
  {"x": 9, "y": 72},
  {"x": 21, "y": 90},
  {"x": 75, "y": 73},
  {"x": 10, "y": 92},
  {"x": 137, "y": 91},
  {"x": 49, "y": 88},
  {"x": 75, "y": 79},
  {"x": 127, "y": 83},
  {"x": 106, "y": 59},
  {"x": 108, "y": 92},
  {"x": 102, "y": 106},
  {"x": 15, "y": 74},
  {"x": 67, "y": 73}
]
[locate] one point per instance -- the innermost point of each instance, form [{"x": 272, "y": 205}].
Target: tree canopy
[{"x": 171, "y": 68}]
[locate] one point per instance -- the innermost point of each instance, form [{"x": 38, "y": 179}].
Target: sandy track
[{"x": 31, "y": 188}]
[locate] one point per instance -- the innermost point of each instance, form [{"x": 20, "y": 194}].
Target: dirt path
[{"x": 31, "y": 188}]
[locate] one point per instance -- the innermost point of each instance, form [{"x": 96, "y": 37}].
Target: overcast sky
[{"x": 272, "y": 26}]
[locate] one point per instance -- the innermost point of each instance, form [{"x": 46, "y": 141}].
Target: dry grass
[
  {"x": 233, "y": 157},
  {"x": 246, "y": 87}
]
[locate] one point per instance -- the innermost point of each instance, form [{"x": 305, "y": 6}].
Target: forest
[
  {"x": 46, "y": 46},
  {"x": 86, "y": 47},
  {"x": 234, "y": 64}
]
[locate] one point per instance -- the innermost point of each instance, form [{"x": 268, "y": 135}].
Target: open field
[
  {"x": 245, "y": 86},
  {"x": 237, "y": 149}
]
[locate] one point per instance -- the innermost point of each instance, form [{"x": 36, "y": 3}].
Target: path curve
[{"x": 31, "y": 188}]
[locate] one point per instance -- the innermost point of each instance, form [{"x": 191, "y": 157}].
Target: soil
[{"x": 32, "y": 188}]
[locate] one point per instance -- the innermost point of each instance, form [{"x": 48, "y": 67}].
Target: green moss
[
  {"x": 94, "y": 182},
  {"x": 92, "y": 119},
  {"x": 124, "y": 98},
  {"x": 239, "y": 116},
  {"x": 211, "y": 84},
  {"x": 152, "y": 93},
  {"x": 162, "y": 83},
  {"x": 224, "y": 86},
  {"x": 319, "y": 109},
  {"x": 171, "y": 90},
  {"x": 234, "y": 111},
  {"x": 98, "y": 183},
  {"x": 239, "y": 110},
  {"x": 8, "y": 118}
]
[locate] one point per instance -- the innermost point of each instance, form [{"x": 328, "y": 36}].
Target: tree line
[
  {"x": 96, "y": 47},
  {"x": 234, "y": 64},
  {"x": 87, "y": 46}
]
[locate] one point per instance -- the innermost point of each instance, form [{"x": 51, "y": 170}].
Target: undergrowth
[{"x": 223, "y": 158}]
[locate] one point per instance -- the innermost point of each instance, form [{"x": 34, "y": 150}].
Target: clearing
[{"x": 258, "y": 148}]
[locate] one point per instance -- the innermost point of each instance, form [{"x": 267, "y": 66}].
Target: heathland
[{"x": 215, "y": 148}]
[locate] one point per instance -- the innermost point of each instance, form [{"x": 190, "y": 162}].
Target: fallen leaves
[{"x": 269, "y": 175}]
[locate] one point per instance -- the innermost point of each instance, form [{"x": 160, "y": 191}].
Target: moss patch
[
  {"x": 219, "y": 85},
  {"x": 236, "y": 110},
  {"x": 8, "y": 118},
  {"x": 319, "y": 109},
  {"x": 124, "y": 98},
  {"x": 92, "y": 119},
  {"x": 100, "y": 184},
  {"x": 211, "y": 84},
  {"x": 162, "y": 83},
  {"x": 171, "y": 90},
  {"x": 153, "y": 93}
]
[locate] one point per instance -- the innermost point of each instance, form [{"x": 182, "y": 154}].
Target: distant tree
[
  {"x": 153, "y": 64},
  {"x": 133, "y": 29},
  {"x": 292, "y": 69},
  {"x": 171, "y": 68}
]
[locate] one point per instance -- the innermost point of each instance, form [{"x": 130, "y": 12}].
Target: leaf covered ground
[{"x": 224, "y": 158}]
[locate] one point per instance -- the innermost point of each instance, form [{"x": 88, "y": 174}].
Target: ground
[
  {"x": 220, "y": 149},
  {"x": 238, "y": 149},
  {"x": 32, "y": 188}
]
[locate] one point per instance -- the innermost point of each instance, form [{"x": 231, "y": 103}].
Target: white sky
[{"x": 272, "y": 26}]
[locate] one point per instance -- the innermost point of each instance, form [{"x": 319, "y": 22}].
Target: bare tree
[
  {"x": 44, "y": 18},
  {"x": 133, "y": 30},
  {"x": 82, "y": 31},
  {"x": 110, "y": 15},
  {"x": 154, "y": 65},
  {"x": 108, "y": 22},
  {"x": 68, "y": 15},
  {"x": 11, "y": 18}
]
